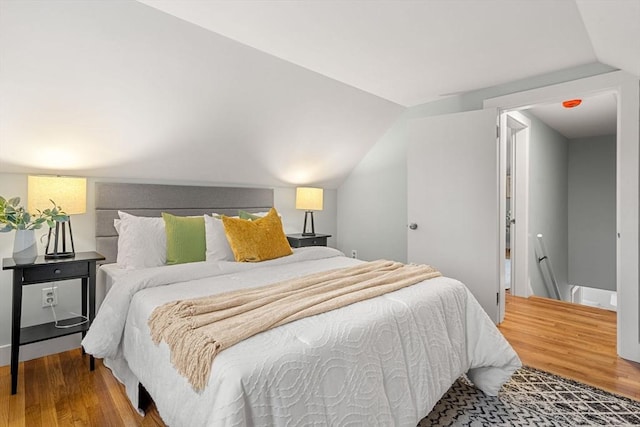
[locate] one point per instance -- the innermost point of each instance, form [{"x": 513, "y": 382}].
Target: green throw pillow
[
  {"x": 185, "y": 238},
  {"x": 247, "y": 215}
]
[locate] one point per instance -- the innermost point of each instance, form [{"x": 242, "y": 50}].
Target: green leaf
[{"x": 15, "y": 217}]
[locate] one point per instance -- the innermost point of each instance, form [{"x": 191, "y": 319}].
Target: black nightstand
[
  {"x": 299, "y": 241},
  {"x": 82, "y": 266}
]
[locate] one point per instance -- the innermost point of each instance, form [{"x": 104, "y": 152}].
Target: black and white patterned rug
[{"x": 533, "y": 398}]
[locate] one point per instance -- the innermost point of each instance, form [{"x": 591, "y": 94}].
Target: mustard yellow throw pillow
[
  {"x": 185, "y": 238},
  {"x": 257, "y": 240}
]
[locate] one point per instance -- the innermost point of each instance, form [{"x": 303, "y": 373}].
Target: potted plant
[{"x": 15, "y": 217}]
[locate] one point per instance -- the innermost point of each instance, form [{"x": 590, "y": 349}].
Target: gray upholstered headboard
[{"x": 153, "y": 199}]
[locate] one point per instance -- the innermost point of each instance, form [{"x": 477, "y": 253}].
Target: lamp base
[
  {"x": 60, "y": 241},
  {"x": 59, "y": 255},
  {"x": 304, "y": 227}
]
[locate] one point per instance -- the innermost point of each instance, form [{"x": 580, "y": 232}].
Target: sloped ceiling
[
  {"x": 614, "y": 31},
  {"x": 118, "y": 89},
  {"x": 264, "y": 93},
  {"x": 412, "y": 52}
]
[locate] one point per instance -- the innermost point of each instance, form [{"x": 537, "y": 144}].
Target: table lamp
[
  {"x": 309, "y": 199},
  {"x": 70, "y": 193}
]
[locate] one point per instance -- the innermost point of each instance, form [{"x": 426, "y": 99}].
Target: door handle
[
  {"x": 513, "y": 221},
  {"x": 413, "y": 226}
]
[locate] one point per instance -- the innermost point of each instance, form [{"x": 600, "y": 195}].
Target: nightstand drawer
[
  {"x": 299, "y": 241},
  {"x": 47, "y": 273},
  {"x": 315, "y": 241}
]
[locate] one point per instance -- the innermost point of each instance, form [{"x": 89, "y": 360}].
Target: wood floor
[
  {"x": 59, "y": 390},
  {"x": 569, "y": 340}
]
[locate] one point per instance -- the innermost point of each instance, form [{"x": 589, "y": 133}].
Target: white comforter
[{"x": 385, "y": 361}]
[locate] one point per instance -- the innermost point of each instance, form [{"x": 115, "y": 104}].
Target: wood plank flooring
[
  {"x": 59, "y": 390},
  {"x": 569, "y": 340}
]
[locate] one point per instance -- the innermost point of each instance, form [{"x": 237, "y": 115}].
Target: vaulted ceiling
[
  {"x": 119, "y": 89},
  {"x": 412, "y": 52},
  {"x": 265, "y": 92}
]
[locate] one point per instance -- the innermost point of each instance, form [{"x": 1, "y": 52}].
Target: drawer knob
[{"x": 57, "y": 271}]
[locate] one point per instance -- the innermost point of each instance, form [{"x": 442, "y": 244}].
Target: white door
[
  {"x": 517, "y": 126},
  {"x": 453, "y": 199}
]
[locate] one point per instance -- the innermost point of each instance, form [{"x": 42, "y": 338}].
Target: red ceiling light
[{"x": 571, "y": 103}]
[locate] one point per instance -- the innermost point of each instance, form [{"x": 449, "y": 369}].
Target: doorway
[
  {"x": 573, "y": 199},
  {"x": 514, "y": 142},
  {"x": 625, "y": 87},
  {"x": 463, "y": 214}
]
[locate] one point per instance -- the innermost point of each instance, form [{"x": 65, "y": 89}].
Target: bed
[{"x": 383, "y": 361}]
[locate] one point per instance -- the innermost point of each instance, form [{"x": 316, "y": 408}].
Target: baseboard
[{"x": 40, "y": 349}]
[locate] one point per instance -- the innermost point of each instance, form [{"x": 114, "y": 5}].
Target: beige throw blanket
[{"x": 197, "y": 330}]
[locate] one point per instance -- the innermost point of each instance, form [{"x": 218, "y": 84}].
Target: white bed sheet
[
  {"x": 384, "y": 361},
  {"x": 107, "y": 274}
]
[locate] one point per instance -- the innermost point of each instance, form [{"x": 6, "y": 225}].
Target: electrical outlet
[
  {"x": 49, "y": 297},
  {"x": 354, "y": 253}
]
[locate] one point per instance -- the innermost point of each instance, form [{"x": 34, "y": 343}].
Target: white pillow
[
  {"x": 142, "y": 242},
  {"x": 218, "y": 248}
]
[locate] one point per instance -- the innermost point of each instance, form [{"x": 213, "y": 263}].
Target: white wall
[
  {"x": 592, "y": 212},
  {"x": 599, "y": 298},
  {"x": 379, "y": 231},
  {"x": 548, "y": 205},
  {"x": 362, "y": 192},
  {"x": 84, "y": 230}
]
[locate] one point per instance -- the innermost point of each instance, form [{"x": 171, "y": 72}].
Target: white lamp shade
[
  {"x": 309, "y": 199},
  {"x": 70, "y": 193}
]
